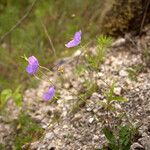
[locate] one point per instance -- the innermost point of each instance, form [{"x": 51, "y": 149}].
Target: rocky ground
[{"x": 72, "y": 125}]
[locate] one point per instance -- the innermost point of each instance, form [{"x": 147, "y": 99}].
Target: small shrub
[
  {"x": 79, "y": 69},
  {"x": 120, "y": 139},
  {"x": 118, "y": 135},
  {"x": 94, "y": 61}
]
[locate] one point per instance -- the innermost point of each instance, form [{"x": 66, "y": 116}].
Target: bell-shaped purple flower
[
  {"x": 75, "y": 41},
  {"x": 49, "y": 94},
  {"x": 32, "y": 65}
]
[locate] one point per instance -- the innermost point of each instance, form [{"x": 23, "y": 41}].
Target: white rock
[
  {"x": 95, "y": 96},
  {"x": 77, "y": 117},
  {"x": 34, "y": 145},
  {"x": 145, "y": 140},
  {"x": 123, "y": 73},
  {"x": 100, "y": 74},
  {"x": 96, "y": 138},
  {"x": 49, "y": 136},
  {"x": 65, "y": 126},
  {"x": 69, "y": 97},
  {"x": 117, "y": 90},
  {"x": 89, "y": 109},
  {"x": 66, "y": 85},
  {"x": 119, "y": 42},
  {"x": 118, "y": 106},
  {"x": 136, "y": 146},
  {"x": 91, "y": 120},
  {"x": 44, "y": 126},
  {"x": 77, "y": 53}
]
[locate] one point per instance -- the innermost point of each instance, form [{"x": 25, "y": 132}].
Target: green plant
[
  {"x": 111, "y": 96},
  {"x": 94, "y": 61},
  {"x": 27, "y": 131},
  {"x": 88, "y": 88},
  {"x": 103, "y": 42},
  {"x": 118, "y": 135},
  {"x": 4, "y": 96},
  {"x": 7, "y": 94},
  {"x": 120, "y": 138},
  {"x": 79, "y": 69},
  {"x": 134, "y": 71}
]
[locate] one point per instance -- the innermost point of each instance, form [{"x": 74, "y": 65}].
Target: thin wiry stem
[
  {"x": 19, "y": 21},
  {"x": 45, "y": 68},
  {"x": 49, "y": 38},
  {"x": 46, "y": 77},
  {"x": 144, "y": 15}
]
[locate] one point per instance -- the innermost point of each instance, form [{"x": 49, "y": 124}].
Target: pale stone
[
  {"x": 123, "y": 73},
  {"x": 136, "y": 146},
  {"x": 91, "y": 120},
  {"x": 49, "y": 136},
  {"x": 117, "y": 90},
  {"x": 96, "y": 138},
  {"x": 77, "y": 53},
  {"x": 118, "y": 42}
]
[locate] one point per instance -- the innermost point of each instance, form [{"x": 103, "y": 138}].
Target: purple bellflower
[
  {"x": 32, "y": 65},
  {"x": 49, "y": 94},
  {"x": 75, "y": 41}
]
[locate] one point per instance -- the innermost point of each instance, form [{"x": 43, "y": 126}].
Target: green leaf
[
  {"x": 113, "y": 145},
  {"x": 111, "y": 91},
  {"x": 125, "y": 137},
  {"x": 104, "y": 41},
  {"x": 109, "y": 95},
  {"x": 119, "y": 98},
  {"x": 109, "y": 135},
  {"x": 17, "y": 97},
  {"x": 92, "y": 61},
  {"x": 5, "y": 95},
  {"x": 79, "y": 69},
  {"x": 112, "y": 97}
]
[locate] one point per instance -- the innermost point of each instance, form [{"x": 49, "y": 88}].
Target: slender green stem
[
  {"x": 37, "y": 77},
  {"x": 46, "y": 77},
  {"x": 45, "y": 68},
  {"x": 128, "y": 119}
]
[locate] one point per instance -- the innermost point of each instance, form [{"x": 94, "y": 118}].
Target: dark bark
[{"x": 127, "y": 16}]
